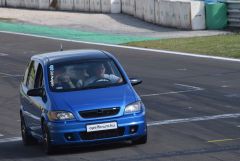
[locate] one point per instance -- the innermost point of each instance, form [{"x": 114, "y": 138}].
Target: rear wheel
[
  {"x": 141, "y": 140},
  {"x": 48, "y": 148},
  {"x": 26, "y": 136}
]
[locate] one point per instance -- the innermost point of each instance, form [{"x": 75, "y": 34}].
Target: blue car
[{"x": 79, "y": 97}]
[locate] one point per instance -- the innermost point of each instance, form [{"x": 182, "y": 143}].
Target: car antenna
[{"x": 61, "y": 47}]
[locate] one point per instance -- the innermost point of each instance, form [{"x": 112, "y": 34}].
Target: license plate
[{"x": 102, "y": 126}]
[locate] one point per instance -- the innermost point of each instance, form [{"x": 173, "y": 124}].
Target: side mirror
[
  {"x": 135, "y": 81},
  {"x": 36, "y": 92}
]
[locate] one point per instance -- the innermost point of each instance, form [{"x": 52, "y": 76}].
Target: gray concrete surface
[{"x": 104, "y": 23}]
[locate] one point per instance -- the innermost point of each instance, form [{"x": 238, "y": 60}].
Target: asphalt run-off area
[{"x": 192, "y": 104}]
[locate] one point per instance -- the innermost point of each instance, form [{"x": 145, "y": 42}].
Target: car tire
[
  {"x": 27, "y": 138},
  {"x": 141, "y": 140},
  {"x": 47, "y": 146}
]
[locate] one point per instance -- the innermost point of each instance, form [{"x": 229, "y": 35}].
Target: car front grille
[
  {"x": 102, "y": 134},
  {"x": 99, "y": 112}
]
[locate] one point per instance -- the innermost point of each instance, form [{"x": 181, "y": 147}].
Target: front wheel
[
  {"x": 48, "y": 148},
  {"x": 27, "y": 138}
]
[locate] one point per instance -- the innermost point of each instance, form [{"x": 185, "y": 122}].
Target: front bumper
[{"x": 74, "y": 132}]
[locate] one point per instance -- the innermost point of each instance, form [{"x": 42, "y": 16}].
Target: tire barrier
[{"x": 184, "y": 14}]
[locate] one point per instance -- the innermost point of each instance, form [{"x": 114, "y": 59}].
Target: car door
[
  {"x": 38, "y": 102},
  {"x": 26, "y": 101}
]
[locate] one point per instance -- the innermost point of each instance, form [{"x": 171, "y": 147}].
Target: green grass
[{"x": 222, "y": 45}]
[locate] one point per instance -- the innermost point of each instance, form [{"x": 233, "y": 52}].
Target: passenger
[
  {"x": 62, "y": 79},
  {"x": 81, "y": 73},
  {"x": 98, "y": 73}
]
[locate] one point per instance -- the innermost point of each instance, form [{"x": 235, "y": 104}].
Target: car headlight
[
  {"x": 133, "y": 108},
  {"x": 60, "y": 115}
]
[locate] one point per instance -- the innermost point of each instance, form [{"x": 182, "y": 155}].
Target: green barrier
[
  {"x": 216, "y": 16},
  {"x": 70, "y": 34}
]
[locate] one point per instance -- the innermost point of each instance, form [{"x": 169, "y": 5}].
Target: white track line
[
  {"x": 13, "y": 139},
  {"x": 192, "y": 89},
  {"x": 3, "y": 54},
  {"x": 1, "y": 135},
  {"x": 188, "y": 86},
  {"x": 193, "y": 119},
  {"x": 167, "y": 93},
  {"x": 130, "y": 47},
  {"x": 10, "y": 75}
]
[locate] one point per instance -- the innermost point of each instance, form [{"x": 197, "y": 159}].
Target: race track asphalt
[{"x": 193, "y": 105}]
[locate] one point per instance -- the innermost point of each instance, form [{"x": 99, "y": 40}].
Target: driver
[{"x": 99, "y": 73}]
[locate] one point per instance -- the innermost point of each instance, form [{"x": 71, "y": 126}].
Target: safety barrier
[
  {"x": 65, "y": 5},
  {"x": 44, "y": 4},
  {"x": 183, "y": 14},
  {"x": 129, "y": 7},
  {"x": 13, "y": 3},
  {"x": 149, "y": 10},
  {"x": 2, "y": 3},
  {"x": 95, "y": 6},
  {"x": 86, "y": 5},
  {"x": 140, "y": 9},
  {"x": 32, "y": 4},
  {"x": 233, "y": 8},
  {"x": 79, "y": 5}
]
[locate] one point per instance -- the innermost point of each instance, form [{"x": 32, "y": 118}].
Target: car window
[
  {"x": 26, "y": 75},
  {"x": 70, "y": 76},
  {"x": 31, "y": 76},
  {"x": 39, "y": 77}
]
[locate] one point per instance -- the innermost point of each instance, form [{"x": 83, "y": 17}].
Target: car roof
[{"x": 70, "y": 55}]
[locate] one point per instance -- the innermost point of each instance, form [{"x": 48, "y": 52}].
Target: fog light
[
  {"x": 69, "y": 136},
  {"x": 133, "y": 129}
]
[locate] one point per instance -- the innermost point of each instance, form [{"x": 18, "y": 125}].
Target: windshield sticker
[{"x": 51, "y": 69}]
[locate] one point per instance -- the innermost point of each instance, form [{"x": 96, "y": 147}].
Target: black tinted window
[
  {"x": 31, "y": 76},
  {"x": 39, "y": 77}
]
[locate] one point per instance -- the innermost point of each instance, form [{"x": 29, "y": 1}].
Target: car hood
[{"x": 117, "y": 96}]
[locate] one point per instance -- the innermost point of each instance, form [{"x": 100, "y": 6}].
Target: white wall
[
  {"x": 79, "y": 5},
  {"x": 180, "y": 14},
  {"x": 129, "y": 7},
  {"x": 139, "y": 9},
  {"x": 95, "y": 6},
  {"x": 44, "y": 4},
  {"x": 33, "y": 4},
  {"x": 149, "y": 10},
  {"x": 65, "y": 5},
  {"x": 86, "y": 5},
  {"x": 2, "y": 3},
  {"x": 198, "y": 15},
  {"x": 13, "y": 3}
]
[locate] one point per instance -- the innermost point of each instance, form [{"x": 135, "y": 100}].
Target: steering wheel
[{"x": 101, "y": 80}]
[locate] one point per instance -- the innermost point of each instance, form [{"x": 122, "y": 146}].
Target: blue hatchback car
[{"x": 79, "y": 97}]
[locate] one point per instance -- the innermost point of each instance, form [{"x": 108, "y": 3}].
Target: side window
[
  {"x": 31, "y": 76},
  {"x": 39, "y": 77},
  {"x": 26, "y": 75}
]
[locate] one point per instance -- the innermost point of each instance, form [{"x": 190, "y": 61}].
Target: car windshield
[{"x": 72, "y": 76}]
